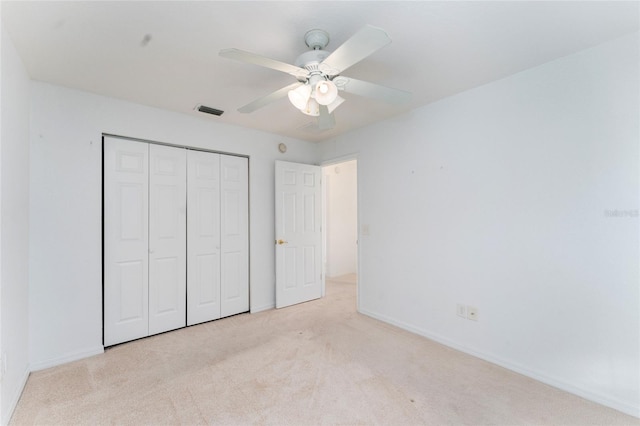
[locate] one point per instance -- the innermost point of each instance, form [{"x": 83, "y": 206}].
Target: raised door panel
[
  {"x": 167, "y": 238},
  {"x": 298, "y": 233},
  {"x": 203, "y": 242},
  {"x": 234, "y": 229},
  {"x": 125, "y": 240}
]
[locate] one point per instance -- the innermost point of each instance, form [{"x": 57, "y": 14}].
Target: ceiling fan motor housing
[{"x": 311, "y": 58}]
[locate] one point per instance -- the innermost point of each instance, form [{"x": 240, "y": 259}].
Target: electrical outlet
[
  {"x": 461, "y": 310},
  {"x": 472, "y": 313}
]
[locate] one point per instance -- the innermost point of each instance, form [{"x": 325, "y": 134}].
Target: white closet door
[
  {"x": 125, "y": 240},
  {"x": 234, "y": 228},
  {"x": 167, "y": 238},
  {"x": 203, "y": 242}
]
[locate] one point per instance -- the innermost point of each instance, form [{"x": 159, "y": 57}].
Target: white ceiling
[{"x": 438, "y": 49}]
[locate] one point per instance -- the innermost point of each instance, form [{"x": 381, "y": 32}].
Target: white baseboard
[
  {"x": 616, "y": 404},
  {"x": 13, "y": 401},
  {"x": 74, "y": 356},
  {"x": 256, "y": 309}
]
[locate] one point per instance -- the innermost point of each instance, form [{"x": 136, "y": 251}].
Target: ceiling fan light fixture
[
  {"x": 312, "y": 108},
  {"x": 300, "y": 96},
  {"x": 326, "y": 92},
  {"x": 318, "y": 74},
  {"x": 335, "y": 104}
]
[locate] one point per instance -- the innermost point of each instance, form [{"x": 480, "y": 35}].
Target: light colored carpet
[{"x": 315, "y": 363}]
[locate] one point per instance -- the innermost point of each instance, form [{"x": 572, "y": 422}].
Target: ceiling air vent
[{"x": 209, "y": 110}]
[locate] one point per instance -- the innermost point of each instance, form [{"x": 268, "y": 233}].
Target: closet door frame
[{"x": 188, "y": 148}]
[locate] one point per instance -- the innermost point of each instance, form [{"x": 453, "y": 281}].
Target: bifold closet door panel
[
  {"x": 203, "y": 236},
  {"x": 167, "y": 238},
  {"x": 234, "y": 229},
  {"x": 126, "y": 213}
]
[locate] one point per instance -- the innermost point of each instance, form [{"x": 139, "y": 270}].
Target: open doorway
[{"x": 341, "y": 222}]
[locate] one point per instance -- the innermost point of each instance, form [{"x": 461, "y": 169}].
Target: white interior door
[
  {"x": 167, "y": 238},
  {"x": 298, "y": 233},
  {"x": 203, "y": 242},
  {"x": 234, "y": 229},
  {"x": 126, "y": 257}
]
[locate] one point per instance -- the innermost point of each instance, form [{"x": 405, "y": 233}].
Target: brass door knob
[{"x": 280, "y": 242}]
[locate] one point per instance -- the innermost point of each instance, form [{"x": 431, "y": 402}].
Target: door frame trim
[
  {"x": 173, "y": 145},
  {"x": 330, "y": 162}
]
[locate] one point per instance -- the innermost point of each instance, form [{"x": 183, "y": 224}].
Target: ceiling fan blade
[
  {"x": 326, "y": 121},
  {"x": 371, "y": 90},
  {"x": 252, "y": 58},
  {"x": 272, "y": 97},
  {"x": 362, "y": 44}
]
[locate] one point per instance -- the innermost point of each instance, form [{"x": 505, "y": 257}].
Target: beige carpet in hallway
[{"x": 315, "y": 363}]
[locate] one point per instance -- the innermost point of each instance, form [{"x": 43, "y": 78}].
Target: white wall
[
  {"x": 341, "y": 218},
  {"x": 14, "y": 226},
  {"x": 504, "y": 198},
  {"x": 66, "y": 281},
  {"x": 500, "y": 197}
]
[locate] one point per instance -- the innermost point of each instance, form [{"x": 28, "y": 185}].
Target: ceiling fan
[{"x": 318, "y": 74}]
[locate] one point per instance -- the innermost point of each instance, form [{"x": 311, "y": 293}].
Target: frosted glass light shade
[
  {"x": 299, "y": 96},
  {"x": 326, "y": 92},
  {"x": 312, "y": 108}
]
